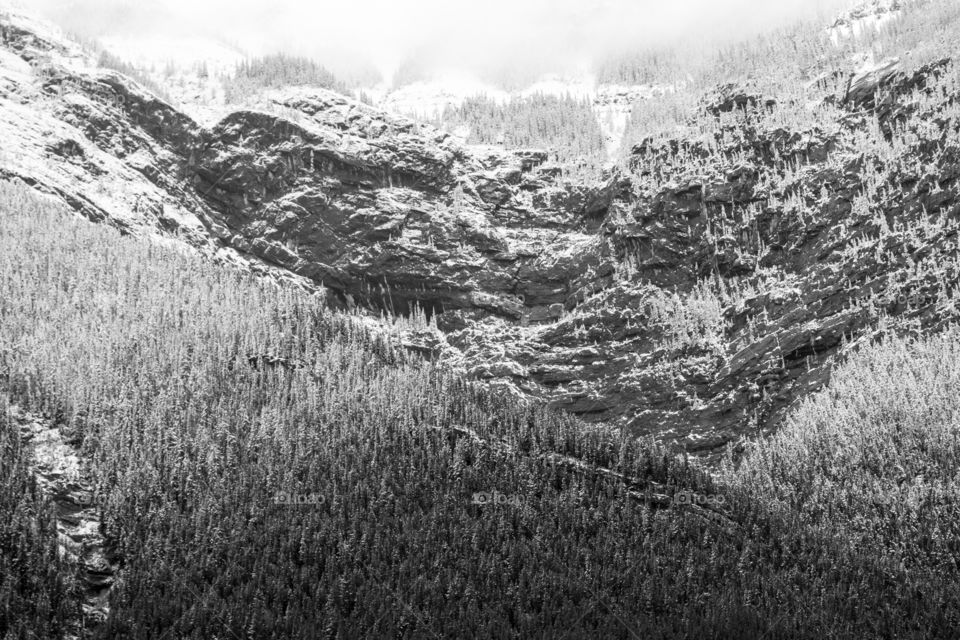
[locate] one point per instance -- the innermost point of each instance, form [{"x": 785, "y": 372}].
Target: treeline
[
  {"x": 410, "y": 71},
  {"x": 109, "y": 61},
  {"x": 803, "y": 64},
  {"x": 277, "y": 70},
  {"x": 653, "y": 67},
  {"x": 563, "y": 124}
]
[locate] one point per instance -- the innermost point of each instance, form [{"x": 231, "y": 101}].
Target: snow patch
[
  {"x": 181, "y": 53},
  {"x": 869, "y": 15}
]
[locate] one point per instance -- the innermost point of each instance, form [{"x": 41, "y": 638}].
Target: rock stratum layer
[{"x": 695, "y": 295}]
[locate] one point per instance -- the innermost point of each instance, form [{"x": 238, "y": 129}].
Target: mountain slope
[
  {"x": 263, "y": 466},
  {"x": 695, "y": 295}
]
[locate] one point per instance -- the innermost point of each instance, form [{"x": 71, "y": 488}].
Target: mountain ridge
[
  {"x": 323, "y": 371},
  {"x": 633, "y": 297}
]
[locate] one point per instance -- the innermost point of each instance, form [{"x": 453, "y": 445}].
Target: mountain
[
  {"x": 698, "y": 302},
  {"x": 330, "y": 301}
]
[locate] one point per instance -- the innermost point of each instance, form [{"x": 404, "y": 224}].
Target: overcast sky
[{"x": 456, "y": 33}]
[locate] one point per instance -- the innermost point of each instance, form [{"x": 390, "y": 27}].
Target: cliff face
[
  {"x": 696, "y": 296},
  {"x": 390, "y": 213}
]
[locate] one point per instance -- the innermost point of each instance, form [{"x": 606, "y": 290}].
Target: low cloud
[{"x": 556, "y": 35}]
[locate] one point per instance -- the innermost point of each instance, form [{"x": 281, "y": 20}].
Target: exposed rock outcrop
[
  {"x": 731, "y": 97},
  {"x": 863, "y": 85},
  {"x": 387, "y": 212},
  {"x": 695, "y": 296}
]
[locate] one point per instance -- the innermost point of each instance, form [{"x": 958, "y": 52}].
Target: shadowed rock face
[
  {"x": 587, "y": 293},
  {"x": 390, "y": 213}
]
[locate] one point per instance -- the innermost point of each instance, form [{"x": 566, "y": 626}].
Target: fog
[{"x": 537, "y": 35}]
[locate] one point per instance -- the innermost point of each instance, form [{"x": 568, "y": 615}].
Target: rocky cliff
[{"x": 694, "y": 295}]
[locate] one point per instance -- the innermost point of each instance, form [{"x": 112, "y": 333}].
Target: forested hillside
[
  {"x": 790, "y": 65},
  {"x": 319, "y": 371},
  {"x": 268, "y": 468},
  {"x": 565, "y": 126},
  {"x": 273, "y": 71}
]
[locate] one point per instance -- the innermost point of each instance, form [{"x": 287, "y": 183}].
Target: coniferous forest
[
  {"x": 566, "y": 125},
  {"x": 271, "y": 469},
  {"x": 277, "y": 70},
  {"x": 264, "y": 457}
]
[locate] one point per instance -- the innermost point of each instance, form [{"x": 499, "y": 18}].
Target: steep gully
[{"x": 62, "y": 477}]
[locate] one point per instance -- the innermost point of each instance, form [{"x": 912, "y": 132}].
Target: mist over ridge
[{"x": 511, "y": 42}]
